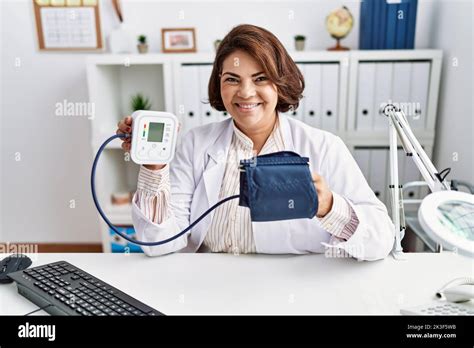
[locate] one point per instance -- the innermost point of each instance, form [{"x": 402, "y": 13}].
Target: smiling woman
[{"x": 255, "y": 80}]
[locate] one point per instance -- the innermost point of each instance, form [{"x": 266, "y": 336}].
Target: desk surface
[{"x": 262, "y": 284}]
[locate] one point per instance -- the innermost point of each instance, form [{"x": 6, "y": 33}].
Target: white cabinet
[
  {"x": 330, "y": 97},
  {"x": 193, "y": 94},
  {"x": 365, "y": 96},
  {"x": 401, "y": 80},
  {"x": 420, "y": 79},
  {"x": 312, "y": 95},
  {"x": 378, "y": 173},
  {"x": 405, "y": 84},
  {"x": 190, "y": 97},
  {"x": 207, "y": 114},
  {"x": 319, "y": 106},
  {"x": 382, "y": 94},
  {"x": 410, "y": 80},
  {"x": 374, "y": 165}
]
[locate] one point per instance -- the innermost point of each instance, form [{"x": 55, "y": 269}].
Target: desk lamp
[{"x": 447, "y": 216}]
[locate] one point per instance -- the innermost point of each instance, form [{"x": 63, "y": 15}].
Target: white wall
[
  {"x": 213, "y": 19},
  {"x": 452, "y": 31},
  {"x": 55, "y": 151},
  {"x": 55, "y": 154}
]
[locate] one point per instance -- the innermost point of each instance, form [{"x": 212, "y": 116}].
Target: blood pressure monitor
[{"x": 154, "y": 136}]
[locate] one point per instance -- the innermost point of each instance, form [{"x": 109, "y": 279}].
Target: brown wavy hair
[{"x": 269, "y": 52}]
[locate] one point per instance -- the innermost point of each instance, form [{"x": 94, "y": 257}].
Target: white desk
[{"x": 262, "y": 284}]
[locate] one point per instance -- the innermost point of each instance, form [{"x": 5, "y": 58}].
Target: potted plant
[
  {"x": 142, "y": 44},
  {"x": 140, "y": 102},
  {"x": 299, "y": 42},
  {"x": 217, "y": 43}
]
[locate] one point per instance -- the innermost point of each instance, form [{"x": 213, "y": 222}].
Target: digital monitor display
[{"x": 155, "y": 132}]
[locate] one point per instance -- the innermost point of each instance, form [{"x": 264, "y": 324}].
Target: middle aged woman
[{"x": 255, "y": 80}]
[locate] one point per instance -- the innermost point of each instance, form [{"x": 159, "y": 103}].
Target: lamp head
[{"x": 448, "y": 218}]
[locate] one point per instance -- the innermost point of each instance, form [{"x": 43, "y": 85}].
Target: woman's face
[{"x": 248, "y": 95}]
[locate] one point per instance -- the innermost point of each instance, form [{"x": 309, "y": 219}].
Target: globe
[{"x": 339, "y": 24}]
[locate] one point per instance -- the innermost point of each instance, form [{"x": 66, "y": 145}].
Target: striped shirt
[{"x": 231, "y": 228}]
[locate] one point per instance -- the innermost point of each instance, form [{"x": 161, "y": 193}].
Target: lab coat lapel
[
  {"x": 286, "y": 133},
  {"x": 212, "y": 178},
  {"x": 214, "y": 172}
]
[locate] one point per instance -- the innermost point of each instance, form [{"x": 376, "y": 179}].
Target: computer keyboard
[
  {"x": 440, "y": 308},
  {"x": 71, "y": 291}
]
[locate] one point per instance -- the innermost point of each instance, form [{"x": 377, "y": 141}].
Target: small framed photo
[{"x": 178, "y": 40}]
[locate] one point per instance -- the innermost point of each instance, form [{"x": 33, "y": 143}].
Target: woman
[{"x": 254, "y": 80}]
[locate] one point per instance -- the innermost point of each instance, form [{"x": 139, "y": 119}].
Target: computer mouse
[
  {"x": 460, "y": 293},
  {"x": 13, "y": 263}
]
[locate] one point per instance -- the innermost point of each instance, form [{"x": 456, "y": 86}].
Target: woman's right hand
[{"x": 125, "y": 127}]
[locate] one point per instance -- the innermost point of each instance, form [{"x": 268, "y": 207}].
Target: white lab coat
[{"x": 196, "y": 174}]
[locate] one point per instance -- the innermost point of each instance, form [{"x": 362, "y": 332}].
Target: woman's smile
[{"x": 248, "y": 108}]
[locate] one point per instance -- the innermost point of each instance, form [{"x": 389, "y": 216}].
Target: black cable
[
  {"x": 39, "y": 309},
  {"x": 443, "y": 174},
  {"x": 124, "y": 236}
]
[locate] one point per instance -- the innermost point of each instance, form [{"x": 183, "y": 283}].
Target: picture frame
[{"x": 178, "y": 40}]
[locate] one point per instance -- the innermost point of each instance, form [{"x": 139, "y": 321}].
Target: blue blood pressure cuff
[{"x": 277, "y": 186}]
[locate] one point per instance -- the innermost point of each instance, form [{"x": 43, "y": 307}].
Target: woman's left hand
[{"x": 325, "y": 198}]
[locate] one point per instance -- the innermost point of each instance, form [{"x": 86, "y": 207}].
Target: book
[
  {"x": 410, "y": 40},
  {"x": 402, "y": 21},
  {"x": 391, "y": 27},
  {"x": 366, "y": 17}
]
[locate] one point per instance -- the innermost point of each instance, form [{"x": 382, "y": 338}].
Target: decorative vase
[
  {"x": 299, "y": 45},
  {"x": 142, "y": 48},
  {"x": 216, "y": 44}
]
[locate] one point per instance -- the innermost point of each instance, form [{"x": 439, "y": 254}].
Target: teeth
[{"x": 247, "y": 106}]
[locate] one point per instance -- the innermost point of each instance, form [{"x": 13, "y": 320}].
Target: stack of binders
[{"x": 387, "y": 24}]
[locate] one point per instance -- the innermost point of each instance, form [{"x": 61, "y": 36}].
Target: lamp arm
[
  {"x": 414, "y": 149},
  {"x": 398, "y": 216},
  {"x": 398, "y": 125},
  {"x": 410, "y": 150}
]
